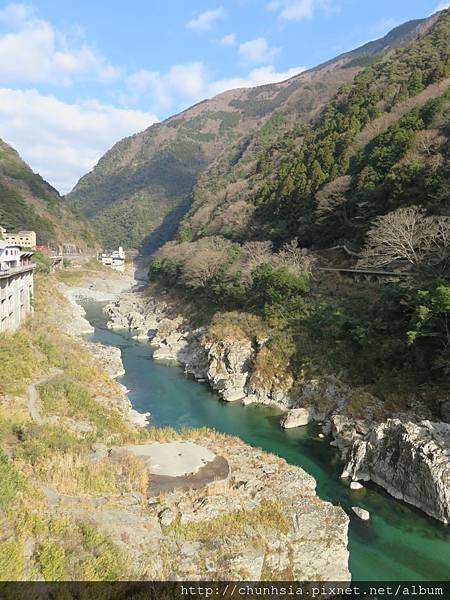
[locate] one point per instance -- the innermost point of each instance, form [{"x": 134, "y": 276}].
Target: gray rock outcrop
[
  {"x": 229, "y": 365},
  {"x": 300, "y": 533},
  {"x": 296, "y": 417},
  {"x": 110, "y": 359},
  {"x": 411, "y": 461}
]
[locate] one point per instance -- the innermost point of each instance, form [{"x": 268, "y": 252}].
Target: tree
[
  {"x": 408, "y": 234},
  {"x": 295, "y": 258},
  {"x": 430, "y": 329},
  {"x": 257, "y": 252}
]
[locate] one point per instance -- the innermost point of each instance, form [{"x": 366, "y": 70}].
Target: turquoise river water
[{"x": 397, "y": 543}]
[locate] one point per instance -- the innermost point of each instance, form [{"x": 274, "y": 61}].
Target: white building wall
[{"x": 16, "y": 293}]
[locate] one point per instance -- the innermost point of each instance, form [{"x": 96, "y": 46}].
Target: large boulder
[{"x": 296, "y": 417}]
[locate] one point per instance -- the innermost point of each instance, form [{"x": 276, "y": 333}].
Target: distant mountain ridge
[{"x": 142, "y": 186}]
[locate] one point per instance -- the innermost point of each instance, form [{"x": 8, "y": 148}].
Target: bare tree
[
  {"x": 200, "y": 267},
  {"x": 256, "y": 253},
  {"x": 203, "y": 259},
  {"x": 295, "y": 258},
  {"x": 408, "y": 234}
]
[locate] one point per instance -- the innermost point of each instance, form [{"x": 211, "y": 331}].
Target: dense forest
[{"x": 366, "y": 184}]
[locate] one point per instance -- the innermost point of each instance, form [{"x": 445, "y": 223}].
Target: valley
[{"x": 262, "y": 391}]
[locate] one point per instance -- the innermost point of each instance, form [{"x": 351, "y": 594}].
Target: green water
[{"x": 398, "y": 543}]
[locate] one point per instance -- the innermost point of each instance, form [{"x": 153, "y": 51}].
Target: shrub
[
  {"x": 51, "y": 559},
  {"x": 12, "y": 482},
  {"x": 11, "y": 560}
]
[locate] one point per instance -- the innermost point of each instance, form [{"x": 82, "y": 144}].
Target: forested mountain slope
[
  {"x": 28, "y": 202},
  {"x": 142, "y": 186},
  {"x": 368, "y": 151},
  {"x": 372, "y": 174}
]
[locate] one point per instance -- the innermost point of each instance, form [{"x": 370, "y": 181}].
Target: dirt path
[{"x": 33, "y": 401}]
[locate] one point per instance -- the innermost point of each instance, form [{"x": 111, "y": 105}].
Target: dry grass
[
  {"x": 11, "y": 560},
  {"x": 268, "y": 515},
  {"x": 78, "y": 474},
  {"x": 236, "y": 326},
  {"x": 20, "y": 362},
  {"x": 272, "y": 368}
]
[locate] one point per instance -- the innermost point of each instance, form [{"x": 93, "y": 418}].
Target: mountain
[
  {"x": 141, "y": 188},
  {"x": 364, "y": 184},
  {"x": 368, "y": 151},
  {"x": 27, "y": 201}
]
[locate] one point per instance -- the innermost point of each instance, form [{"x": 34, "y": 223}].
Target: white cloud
[
  {"x": 186, "y": 84},
  {"x": 442, "y": 6},
  {"x": 259, "y": 76},
  {"x": 228, "y": 40},
  {"x": 204, "y": 21},
  {"x": 257, "y": 51},
  {"x": 33, "y": 51},
  {"x": 180, "y": 84},
  {"x": 15, "y": 14},
  {"x": 63, "y": 141},
  {"x": 298, "y": 10}
]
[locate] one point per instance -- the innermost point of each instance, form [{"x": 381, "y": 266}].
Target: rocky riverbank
[
  {"x": 72, "y": 320},
  {"x": 257, "y": 518},
  {"x": 360, "y": 425}
]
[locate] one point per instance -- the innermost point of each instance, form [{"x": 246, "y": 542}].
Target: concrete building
[
  {"x": 115, "y": 259},
  {"x": 23, "y": 239},
  {"x": 16, "y": 286}
]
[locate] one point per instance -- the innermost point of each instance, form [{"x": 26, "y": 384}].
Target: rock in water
[
  {"x": 361, "y": 513},
  {"x": 411, "y": 461},
  {"x": 356, "y": 486},
  {"x": 297, "y": 417}
]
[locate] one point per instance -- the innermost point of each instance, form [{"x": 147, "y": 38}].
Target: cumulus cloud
[
  {"x": 258, "y": 76},
  {"x": 298, "y": 10},
  {"x": 442, "y": 6},
  {"x": 228, "y": 40},
  {"x": 205, "y": 20},
  {"x": 63, "y": 141},
  {"x": 186, "y": 84},
  {"x": 180, "y": 84},
  {"x": 257, "y": 51},
  {"x": 33, "y": 51}
]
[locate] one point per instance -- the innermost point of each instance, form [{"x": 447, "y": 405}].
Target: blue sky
[{"x": 77, "y": 76}]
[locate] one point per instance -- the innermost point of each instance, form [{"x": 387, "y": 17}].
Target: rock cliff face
[
  {"x": 228, "y": 365},
  {"x": 411, "y": 461}
]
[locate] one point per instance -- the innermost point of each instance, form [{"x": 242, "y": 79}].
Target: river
[{"x": 397, "y": 543}]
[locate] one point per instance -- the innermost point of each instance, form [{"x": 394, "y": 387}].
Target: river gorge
[{"x": 399, "y": 542}]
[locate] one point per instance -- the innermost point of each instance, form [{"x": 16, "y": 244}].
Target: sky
[{"x": 75, "y": 77}]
